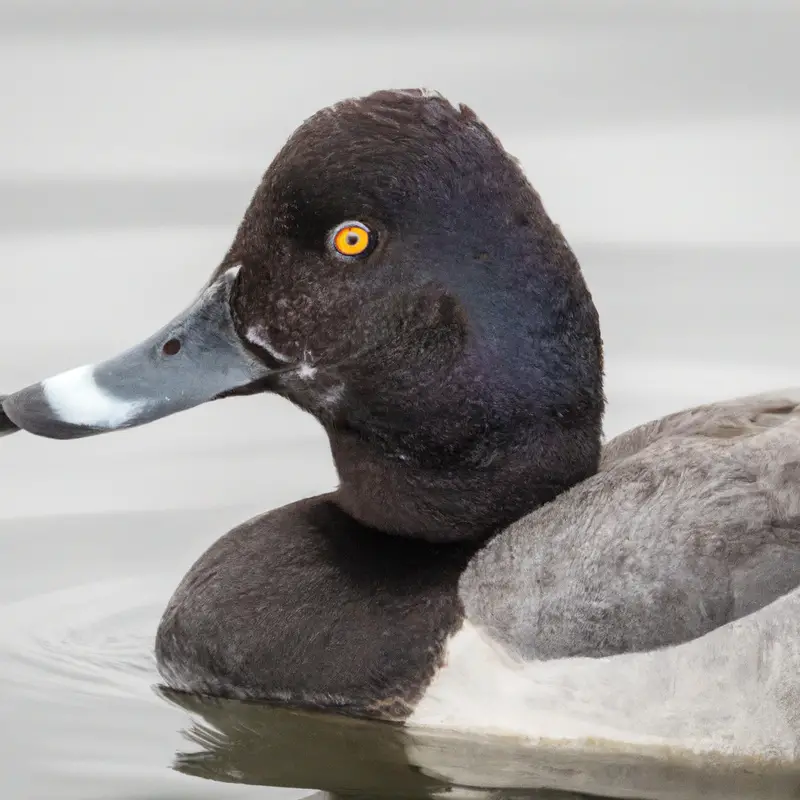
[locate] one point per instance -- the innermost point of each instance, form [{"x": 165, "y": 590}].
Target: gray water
[{"x": 663, "y": 138}]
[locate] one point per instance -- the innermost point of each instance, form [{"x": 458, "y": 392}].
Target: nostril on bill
[{"x": 171, "y": 347}]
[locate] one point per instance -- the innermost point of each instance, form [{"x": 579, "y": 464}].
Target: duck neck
[{"x": 454, "y": 472}]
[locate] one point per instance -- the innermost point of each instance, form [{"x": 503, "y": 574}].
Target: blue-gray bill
[{"x": 197, "y": 357}]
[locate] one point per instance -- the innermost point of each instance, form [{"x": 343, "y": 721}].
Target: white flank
[{"x": 727, "y": 694}]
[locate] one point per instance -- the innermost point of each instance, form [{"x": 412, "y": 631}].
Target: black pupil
[{"x": 352, "y": 239}]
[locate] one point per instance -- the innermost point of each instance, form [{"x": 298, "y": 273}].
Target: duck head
[{"x": 397, "y": 276}]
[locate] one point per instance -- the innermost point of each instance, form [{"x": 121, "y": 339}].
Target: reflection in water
[
  {"x": 252, "y": 743},
  {"x": 258, "y": 744}
]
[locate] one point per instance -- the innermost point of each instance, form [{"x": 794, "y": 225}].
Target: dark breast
[{"x": 303, "y": 605}]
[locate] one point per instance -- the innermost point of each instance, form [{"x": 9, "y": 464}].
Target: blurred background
[{"x": 662, "y": 135}]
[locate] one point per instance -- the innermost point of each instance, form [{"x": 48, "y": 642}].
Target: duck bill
[{"x": 195, "y": 358}]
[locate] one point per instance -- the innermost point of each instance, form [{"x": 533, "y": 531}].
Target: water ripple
[{"x": 94, "y": 639}]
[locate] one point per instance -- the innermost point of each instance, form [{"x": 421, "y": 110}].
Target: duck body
[
  {"x": 485, "y": 562},
  {"x": 692, "y": 567},
  {"x": 337, "y": 616}
]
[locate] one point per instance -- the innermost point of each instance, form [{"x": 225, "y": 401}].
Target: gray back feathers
[{"x": 693, "y": 521}]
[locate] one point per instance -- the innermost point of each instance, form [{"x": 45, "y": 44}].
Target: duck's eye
[{"x": 352, "y": 239}]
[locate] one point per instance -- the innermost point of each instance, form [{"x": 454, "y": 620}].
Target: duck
[{"x": 488, "y": 562}]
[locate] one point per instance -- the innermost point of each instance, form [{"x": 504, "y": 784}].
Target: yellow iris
[{"x": 351, "y": 239}]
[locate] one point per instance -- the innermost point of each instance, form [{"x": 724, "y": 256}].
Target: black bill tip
[{"x": 30, "y": 411}]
